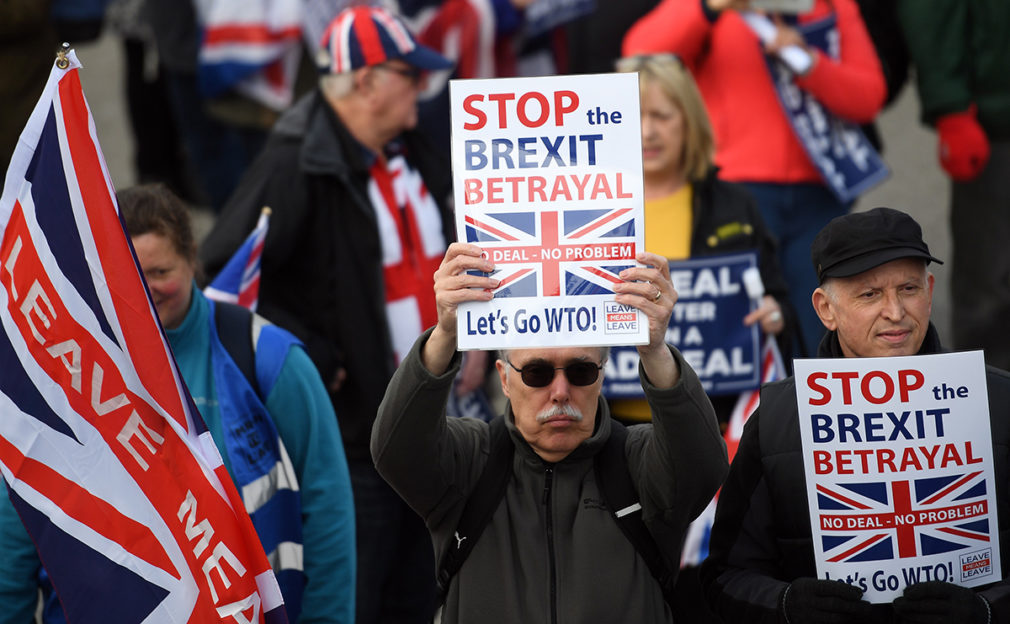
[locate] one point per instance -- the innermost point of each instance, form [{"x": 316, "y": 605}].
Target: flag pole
[{"x": 61, "y": 56}]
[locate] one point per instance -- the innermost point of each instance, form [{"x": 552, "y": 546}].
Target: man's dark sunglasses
[{"x": 541, "y": 374}]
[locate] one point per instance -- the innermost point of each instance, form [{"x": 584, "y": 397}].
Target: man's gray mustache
[{"x": 567, "y": 409}]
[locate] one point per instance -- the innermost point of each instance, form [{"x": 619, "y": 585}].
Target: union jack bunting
[
  {"x": 551, "y": 254},
  {"x": 107, "y": 461},
  {"x": 772, "y": 369},
  {"x": 873, "y": 521},
  {"x": 252, "y": 46},
  {"x": 239, "y": 280}
]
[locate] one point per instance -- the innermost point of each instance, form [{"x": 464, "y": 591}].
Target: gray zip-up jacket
[{"x": 551, "y": 553}]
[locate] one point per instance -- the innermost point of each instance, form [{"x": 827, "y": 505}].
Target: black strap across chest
[{"x": 611, "y": 468}]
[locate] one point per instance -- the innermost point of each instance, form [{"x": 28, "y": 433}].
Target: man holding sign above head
[
  {"x": 552, "y": 546},
  {"x": 874, "y": 444},
  {"x": 360, "y": 220}
]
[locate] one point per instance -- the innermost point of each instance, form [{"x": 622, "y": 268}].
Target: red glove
[{"x": 964, "y": 148}]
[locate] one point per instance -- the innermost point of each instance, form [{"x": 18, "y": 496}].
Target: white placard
[
  {"x": 547, "y": 177},
  {"x": 899, "y": 470}
]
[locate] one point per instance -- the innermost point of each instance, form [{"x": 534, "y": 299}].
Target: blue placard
[
  {"x": 847, "y": 162},
  {"x": 706, "y": 326}
]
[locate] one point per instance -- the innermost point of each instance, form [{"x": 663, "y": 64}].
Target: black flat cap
[{"x": 857, "y": 242}]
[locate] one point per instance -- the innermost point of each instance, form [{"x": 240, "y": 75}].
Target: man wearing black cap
[
  {"x": 360, "y": 222},
  {"x": 875, "y": 297}
]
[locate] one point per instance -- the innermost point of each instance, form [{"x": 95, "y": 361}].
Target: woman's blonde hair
[{"x": 676, "y": 82}]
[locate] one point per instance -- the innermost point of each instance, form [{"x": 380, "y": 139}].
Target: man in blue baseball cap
[{"x": 360, "y": 223}]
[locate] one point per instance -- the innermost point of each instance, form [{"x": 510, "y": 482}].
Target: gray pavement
[{"x": 917, "y": 184}]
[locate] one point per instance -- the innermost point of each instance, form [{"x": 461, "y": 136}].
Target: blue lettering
[
  {"x": 475, "y": 158},
  {"x": 501, "y": 149},
  {"x": 527, "y": 156},
  {"x": 872, "y": 426},
  {"x": 822, "y": 428},
  {"x": 848, "y": 423}
]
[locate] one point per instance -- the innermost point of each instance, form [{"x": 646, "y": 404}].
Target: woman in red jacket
[{"x": 756, "y": 142}]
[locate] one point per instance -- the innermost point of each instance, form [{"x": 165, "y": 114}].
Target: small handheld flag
[{"x": 239, "y": 280}]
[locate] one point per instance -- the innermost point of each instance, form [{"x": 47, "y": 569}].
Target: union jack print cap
[{"x": 362, "y": 36}]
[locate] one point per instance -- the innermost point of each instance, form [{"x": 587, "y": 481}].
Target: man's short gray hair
[{"x": 336, "y": 86}]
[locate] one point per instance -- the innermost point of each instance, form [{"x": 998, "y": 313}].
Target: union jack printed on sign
[
  {"x": 108, "y": 463},
  {"x": 552, "y": 253},
  {"x": 875, "y": 521}
]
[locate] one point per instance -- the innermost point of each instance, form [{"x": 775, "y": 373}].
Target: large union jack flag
[
  {"x": 873, "y": 521},
  {"x": 107, "y": 461},
  {"x": 552, "y": 253}
]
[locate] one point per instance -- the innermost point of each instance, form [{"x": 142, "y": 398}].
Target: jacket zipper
[{"x": 548, "y": 484}]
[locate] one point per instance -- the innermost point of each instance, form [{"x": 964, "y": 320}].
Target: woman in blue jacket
[{"x": 277, "y": 434}]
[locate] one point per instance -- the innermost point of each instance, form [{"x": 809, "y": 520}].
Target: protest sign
[
  {"x": 548, "y": 180},
  {"x": 899, "y": 471},
  {"x": 706, "y": 326}
]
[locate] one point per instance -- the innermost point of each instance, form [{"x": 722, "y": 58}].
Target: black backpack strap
[
  {"x": 235, "y": 329},
  {"x": 484, "y": 499},
  {"x": 619, "y": 492}
]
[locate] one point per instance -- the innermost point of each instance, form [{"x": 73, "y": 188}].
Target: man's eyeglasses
[
  {"x": 409, "y": 72},
  {"x": 541, "y": 374}
]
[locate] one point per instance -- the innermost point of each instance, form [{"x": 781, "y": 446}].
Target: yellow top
[
  {"x": 667, "y": 233},
  {"x": 668, "y": 225}
]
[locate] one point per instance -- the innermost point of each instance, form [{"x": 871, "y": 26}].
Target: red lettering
[
  {"x": 823, "y": 391},
  {"x": 822, "y": 462},
  {"x": 602, "y": 187},
  {"x": 844, "y": 459},
  {"x": 545, "y": 109},
  {"x": 560, "y": 188},
  {"x": 472, "y": 191},
  {"x": 950, "y": 456},
  {"x": 494, "y": 190},
  {"x": 885, "y": 457},
  {"x": 864, "y": 387},
  {"x": 909, "y": 459},
  {"x": 469, "y": 107},
  {"x": 559, "y": 105},
  {"x": 501, "y": 98},
  {"x": 620, "y": 188},
  {"x": 514, "y": 181},
  {"x": 904, "y": 387},
  {"x": 538, "y": 186},
  {"x": 863, "y": 455},
  {"x": 846, "y": 379},
  {"x": 969, "y": 456}
]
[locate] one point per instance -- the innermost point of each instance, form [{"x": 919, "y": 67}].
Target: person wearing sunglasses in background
[{"x": 551, "y": 551}]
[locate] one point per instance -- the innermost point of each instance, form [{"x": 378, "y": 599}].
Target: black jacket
[
  {"x": 321, "y": 269},
  {"x": 726, "y": 219},
  {"x": 761, "y": 539}
]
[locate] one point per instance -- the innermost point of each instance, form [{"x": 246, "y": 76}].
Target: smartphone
[{"x": 782, "y": 6}]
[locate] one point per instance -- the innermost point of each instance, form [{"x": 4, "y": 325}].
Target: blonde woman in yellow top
[{"x": 689, "y": 212}]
